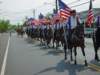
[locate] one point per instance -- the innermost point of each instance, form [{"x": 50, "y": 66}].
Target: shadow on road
[
  {"x": 54, "y": 52},
  {"x": 62, "y": 67},
  {"x": 30, "y": 41}
]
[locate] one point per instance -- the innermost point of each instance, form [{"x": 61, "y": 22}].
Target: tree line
[{"x": 5, "y": 26}]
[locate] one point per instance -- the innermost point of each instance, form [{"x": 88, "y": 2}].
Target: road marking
[
  {"x": 90, "y": 65},
  {"x": 5, "y": 59},
  {"x": 95, "y": 67}
]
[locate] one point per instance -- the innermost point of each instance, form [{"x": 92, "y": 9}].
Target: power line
[
  {"x": 73, "y": 2},
  {"x": 80, "y": 4},
  {"x": 31, "y": 9}
]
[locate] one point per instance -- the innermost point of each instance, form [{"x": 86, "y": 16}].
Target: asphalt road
[
  {"x": 28, "y": 58},
  {"x": 3, "y": 44}
]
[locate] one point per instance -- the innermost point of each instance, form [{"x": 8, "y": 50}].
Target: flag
[
  {"x": 29, "y": 21},
  {"x": 90, "y": 16},
  {"x": 35, "y": 22},
  {"x": 56, "y": 17},
  {"x": 64, "y": 10}
]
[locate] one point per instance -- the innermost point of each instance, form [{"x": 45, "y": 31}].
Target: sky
[{"x": 17, "y": 10}]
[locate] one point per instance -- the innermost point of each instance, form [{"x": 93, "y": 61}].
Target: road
[
  {"x": 3, "y": 44},
  {"x": 28, "y": 58}
]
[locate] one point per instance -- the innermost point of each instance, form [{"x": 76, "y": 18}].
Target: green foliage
[
  {"x": 48, "y": 15},
  {"x": 4, "y": 25},
  {"x": 12, "y": 27}
]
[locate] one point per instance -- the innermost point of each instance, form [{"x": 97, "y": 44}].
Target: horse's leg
[
  {"x": 49, "y": 41},
  {"x": 61, "y": 43},
  {"x": 75, "y": 53},
  {"x": 96, "y": 53},
  {"x": 95, "y": 48},
  {"x": 83, "y": 52},
  {"x": 71, "y": 56},
  {"x": 57, "y": 43},
  {"x": 41, "y": 41},
  {"x": 53, "y": 42},
  {"x": 18, "y": 34},
  {"x": 65, "y": 51},
  {"x": 21, "y": 35}
]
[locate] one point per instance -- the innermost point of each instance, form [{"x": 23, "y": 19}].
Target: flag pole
[
  {"x": 56, "y": 3},
  {"x": 93, "y": 33}
]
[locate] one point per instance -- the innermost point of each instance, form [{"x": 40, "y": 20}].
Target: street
[
  {"x": 3, "y": 45},
  {"x": 28, "y": 58},
  {"x": 29, "y": 30}
]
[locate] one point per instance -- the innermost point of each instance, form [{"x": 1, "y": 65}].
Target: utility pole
[{"x": 34, "y": 13}]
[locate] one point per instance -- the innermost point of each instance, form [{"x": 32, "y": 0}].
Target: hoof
[
  {"x": 65, "y": 58},
  {"x": 53, "y": 47},
  {"x": 66, "y": 61},
  {"x": 75, "y": 63},
  {"x": 97, "y": 59},
  {"x": 86, "y": 64},
  {"x": 71, "y": 59}
]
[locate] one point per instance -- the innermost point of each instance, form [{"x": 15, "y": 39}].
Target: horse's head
[
  {"x": 61, "y": 30},
  {"x": 79, "y": 31}
]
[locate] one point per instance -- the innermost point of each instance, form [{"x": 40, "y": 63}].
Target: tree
[
  {"x": 4, "y": 25},
  {"x": 48, "y": 15}
]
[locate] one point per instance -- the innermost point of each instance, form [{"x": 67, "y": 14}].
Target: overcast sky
[{"x": 17, "y": 10}]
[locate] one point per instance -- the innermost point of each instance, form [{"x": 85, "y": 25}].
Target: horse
[
  {"x": 56, "y": 37},
  {"x": 75, "y": 38},
  {"x": 42, "y": 34},
  {"x": 49, "y": 35},
  {"x": 20, "y": 31},
  {"x": 28, "y": 32},
  {"x": 96, "y": 42}
]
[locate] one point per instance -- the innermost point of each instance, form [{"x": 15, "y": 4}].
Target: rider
[
  {"x": 72, "y": 22},
  {"x": 73, "y": 19}
]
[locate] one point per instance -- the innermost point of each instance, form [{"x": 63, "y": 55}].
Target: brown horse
[
  {"x": 20, "y": 32},
  {"x": 49, "y": 35},
  {"x": 96, "y": 42},
  {"x": 75, "y": 39}
]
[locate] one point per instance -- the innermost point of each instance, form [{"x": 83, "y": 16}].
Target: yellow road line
[{"x": 95, "y": 67}]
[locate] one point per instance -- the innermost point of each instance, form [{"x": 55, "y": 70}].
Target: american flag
[
  {"x": 64, "y": 10},
  {"x": 55, "y": 16},
  {"x": 90, "y": 16}
]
